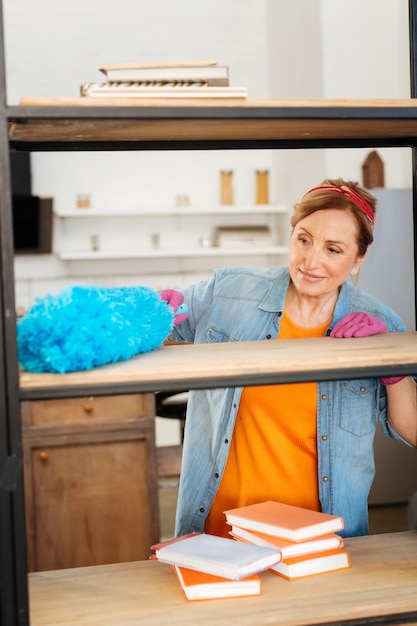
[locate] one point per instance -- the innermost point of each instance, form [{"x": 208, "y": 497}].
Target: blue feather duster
[{"x": 85, "y": 327}]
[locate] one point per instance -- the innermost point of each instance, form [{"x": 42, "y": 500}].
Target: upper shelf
[
  {"x": 200, "y": 366},
  {"x": 175, "y": 211},
  {"x": 169, "y": 253},
  {"x": 69, "y": 123}
]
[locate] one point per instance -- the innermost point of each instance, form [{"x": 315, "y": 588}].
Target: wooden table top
[{"x": 381, "y": 581}]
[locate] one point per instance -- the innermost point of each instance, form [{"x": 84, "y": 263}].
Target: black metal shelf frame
[
  {"x": 13, "y": 571},
  {"x": 215, "y": 113}
]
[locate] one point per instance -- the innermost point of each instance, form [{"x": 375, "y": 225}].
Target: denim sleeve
[{"x": 198, "y": 298}]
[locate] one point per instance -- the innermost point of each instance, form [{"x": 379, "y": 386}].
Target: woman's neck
[{"x": 309, "y": 311}]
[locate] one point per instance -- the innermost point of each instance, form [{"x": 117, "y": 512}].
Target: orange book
[
  {"x": 313, "y": 564},
  {"x": 201, "y": 586},
  {"x": 284, "y": 520},
  {"x": 288, "y": 548}
]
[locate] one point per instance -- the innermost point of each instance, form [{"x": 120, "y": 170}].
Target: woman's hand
[
  {"x": 175, "y": 300},
  {"x": 360, "y": 324}
]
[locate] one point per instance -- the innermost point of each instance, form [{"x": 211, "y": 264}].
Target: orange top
[{"x": 273, "y": 453}]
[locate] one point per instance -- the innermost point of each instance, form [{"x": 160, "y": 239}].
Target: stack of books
[
  {"x": 184, "y": 79},
  {"x": 207, "y": 566},
  {"x": 306, "y": 539}
]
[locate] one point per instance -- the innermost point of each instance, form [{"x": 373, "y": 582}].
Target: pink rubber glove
[
  {"x": 360, "y": 324},
  {"x": 175, "y": 299}
]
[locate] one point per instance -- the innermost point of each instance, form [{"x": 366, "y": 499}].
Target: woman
[{"x": 306, "y": 444}]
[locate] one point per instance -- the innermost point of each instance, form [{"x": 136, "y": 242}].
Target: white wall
[
  {"x": 338, "y": 49},
  {"x": 366, "y": 52},
  {"x": 302, "y": 48},
  {"x": 69, "y": 42},
  {"x": 55, "y": 45}
]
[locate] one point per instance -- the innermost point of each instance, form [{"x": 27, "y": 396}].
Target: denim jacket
[{"x": 244, "y": 304}]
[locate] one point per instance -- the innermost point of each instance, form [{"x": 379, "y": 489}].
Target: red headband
[{"x": 352, "y": 195}]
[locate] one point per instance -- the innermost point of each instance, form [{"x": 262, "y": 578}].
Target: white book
[
  {"x": 186, "y": 71},
  {"x": 160, "y": 90},
  {"x": 218, "y": 556}
]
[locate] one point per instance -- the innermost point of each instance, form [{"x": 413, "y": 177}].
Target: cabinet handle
[
  {"x": 88, "y": 407},
  {"x": 44, "y": 456}
]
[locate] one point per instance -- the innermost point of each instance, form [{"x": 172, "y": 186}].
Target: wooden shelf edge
[
  {"x": 191, "y": 211},
  {"x": 239, "y": 363},
  {"x": 292, "y": 103},
  {"x": 54, "y": 121},
  {"x": 160, "y": 253}
]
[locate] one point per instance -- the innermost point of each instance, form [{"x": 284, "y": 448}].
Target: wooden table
[{"x": 381, "y": 581}]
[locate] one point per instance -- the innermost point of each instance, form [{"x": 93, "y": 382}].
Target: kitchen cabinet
[{"x": 90, "y": 480}]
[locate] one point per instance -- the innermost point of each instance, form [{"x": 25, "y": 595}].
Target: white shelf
[
  {"x": 226, "y": 209},
  {"x": 169, "y": 253}
]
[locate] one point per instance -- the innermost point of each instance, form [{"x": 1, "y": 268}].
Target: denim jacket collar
[{"x": 274, "y": 299}]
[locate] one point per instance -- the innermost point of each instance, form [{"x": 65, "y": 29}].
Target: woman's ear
[{"x": 357, "y": 266}]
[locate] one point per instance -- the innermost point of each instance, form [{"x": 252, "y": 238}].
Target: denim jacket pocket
[
  {"x": 358, "y": 401},
  {"x": 215, "y": 335}
]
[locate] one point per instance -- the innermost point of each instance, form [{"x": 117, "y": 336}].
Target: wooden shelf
[
  {"x": 192, "y": 211},
  {"x": 194, "y": 251},
  {"x": 225, "y": 364},
  {"x": 378, "y": 588},
  {"x": 160, "y": 253},
  {"x": 63, "y": 123}
]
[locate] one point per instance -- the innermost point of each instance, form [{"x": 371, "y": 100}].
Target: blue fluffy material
[{"x": 85, "y": 327}]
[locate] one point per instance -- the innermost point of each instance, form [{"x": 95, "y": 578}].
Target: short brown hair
[{"x": 320, "y": 199}]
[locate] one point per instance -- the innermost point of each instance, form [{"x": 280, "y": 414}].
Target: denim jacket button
[
  {"x": 324, "y": 397},
  {"x": 324, "y": 437},
  {"x": 325, "y": 479}
]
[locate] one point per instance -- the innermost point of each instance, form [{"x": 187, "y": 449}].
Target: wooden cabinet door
[
  {"x": 91, "y": 493},
  {"x": 91, "y": 504}
]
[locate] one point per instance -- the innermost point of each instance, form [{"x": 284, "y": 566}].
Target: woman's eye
[{"x": 334, "y": 251}]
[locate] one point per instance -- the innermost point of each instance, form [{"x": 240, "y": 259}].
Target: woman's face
[{"x": 323, "y": 252}]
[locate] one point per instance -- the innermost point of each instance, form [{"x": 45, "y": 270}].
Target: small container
[
  {"x": 83, "y": 201},
  {"x": 182, "y": 201},
  {"x": 226, "y": 187},
  {"x": 204, "y": 242},
  {"x": 262, "y": 186},
  {"x": 95, "y": 243},
  {"x": 155, "y": 238}
]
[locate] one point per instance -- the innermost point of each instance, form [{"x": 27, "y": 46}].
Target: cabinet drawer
[{"x": 87, "y": 409}]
